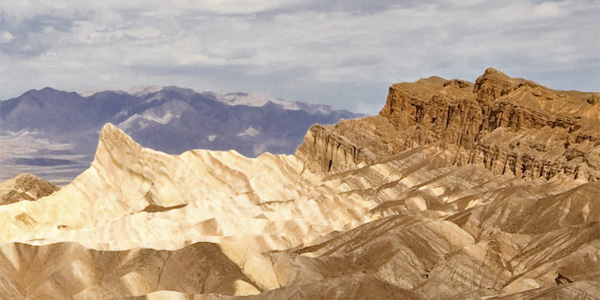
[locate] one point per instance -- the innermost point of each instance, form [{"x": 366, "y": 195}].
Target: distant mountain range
[{"x": 54, "y": 133}]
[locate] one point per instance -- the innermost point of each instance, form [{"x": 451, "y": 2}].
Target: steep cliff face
[{"x": 507, "y": 124}]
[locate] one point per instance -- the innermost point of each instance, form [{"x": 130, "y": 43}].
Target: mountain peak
[
  {"x": 25, "y": 186},
  {"x": 492, "y": 85},
  {"x": 114, "y": 137},
  {"x": 142, "y": 90},
  {"x": 492, "y": 71},
  {"x": 115, "y": 147},
  {"x": 47, "y": 91}
]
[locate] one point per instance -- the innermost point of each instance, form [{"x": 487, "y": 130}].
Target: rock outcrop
[
  {"x": 509, "y": 125},
  {"x": 25, "y": 187},
  {"x": 70, "y": 271}
]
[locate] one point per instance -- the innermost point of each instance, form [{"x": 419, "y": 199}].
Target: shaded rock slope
[{"x": 378, "y": 208}]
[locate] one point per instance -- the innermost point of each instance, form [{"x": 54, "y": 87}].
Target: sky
[{"x": 344, "y": 53}]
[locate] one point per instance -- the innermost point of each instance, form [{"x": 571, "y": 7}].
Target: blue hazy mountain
[{"x": 54, "y": 133}]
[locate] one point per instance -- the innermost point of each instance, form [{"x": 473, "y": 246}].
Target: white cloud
[
  {"x": 6, "y": 37},
  {"x": 548, "y": 9},
  {"x": 250, "y": 131}
]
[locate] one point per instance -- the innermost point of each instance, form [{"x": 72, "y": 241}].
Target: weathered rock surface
[
  {"x": 68, "y": 270},
  {"x": 367, "y": 209},
  {"x": 200, "y": 195},
  {"x": 507, "y": 124},
  {"x": 25, "y": 187}
]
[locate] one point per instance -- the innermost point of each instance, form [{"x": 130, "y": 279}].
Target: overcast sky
[{"x": 340, "y": 52}]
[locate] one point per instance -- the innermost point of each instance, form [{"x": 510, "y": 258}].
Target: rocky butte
[
  {"x": 506, "y": 124},
  {"x": 454, "y": 191}
]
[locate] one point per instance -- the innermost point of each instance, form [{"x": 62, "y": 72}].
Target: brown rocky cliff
[
  {"x": 335, "y": 147},
  {"x": 507, "y": 124}
]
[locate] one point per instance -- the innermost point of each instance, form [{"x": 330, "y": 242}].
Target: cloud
[
  {"x": 6, "y": 37},
  {"x": 298, "y": 50}
]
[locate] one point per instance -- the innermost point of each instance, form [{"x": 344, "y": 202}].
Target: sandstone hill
[
  {"x": 378, "y": 208},
  {"x": 25, "y": 187}
]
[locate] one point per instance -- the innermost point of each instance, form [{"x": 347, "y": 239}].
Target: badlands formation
[{"x": 454, "y": 191}]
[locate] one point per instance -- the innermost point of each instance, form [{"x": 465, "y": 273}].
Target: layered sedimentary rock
[
  {"x": 378, "y": 208},
  {"x": 507, "y": 124},
  {"x": 68, "y": 270},
  {"x": 25, "y": 187}
]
